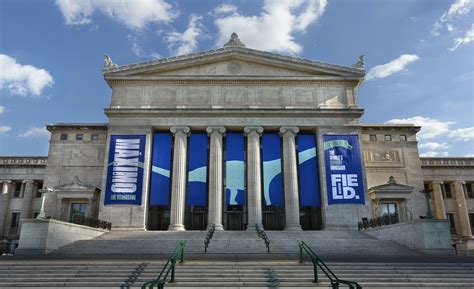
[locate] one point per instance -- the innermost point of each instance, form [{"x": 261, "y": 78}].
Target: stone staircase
[
  {"x": 325, "y": 242},
  {"x": 226, "y": 274}
]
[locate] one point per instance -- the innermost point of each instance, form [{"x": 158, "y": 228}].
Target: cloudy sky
[{"x": 419, "y": 56}]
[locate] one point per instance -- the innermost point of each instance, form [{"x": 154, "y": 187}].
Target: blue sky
[{"x": 419, "y": 56}]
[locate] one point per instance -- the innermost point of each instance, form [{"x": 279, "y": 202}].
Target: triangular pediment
[
  {"x": 391, "y": 187},
  {"x": 232, "y": 62}
]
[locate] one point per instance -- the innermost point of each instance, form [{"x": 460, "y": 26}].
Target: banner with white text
[
  {"x": 125, "y": 170},
  {"x": 343, "y": 169}
]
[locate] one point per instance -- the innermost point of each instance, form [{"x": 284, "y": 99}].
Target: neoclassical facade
[{"x": 236, "y": 137}]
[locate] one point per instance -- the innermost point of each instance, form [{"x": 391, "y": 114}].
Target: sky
[{"x": 419, "y": 56}]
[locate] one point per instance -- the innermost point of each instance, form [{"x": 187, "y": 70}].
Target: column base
[
  {"x": 176, "y": 227},
  {"x": 217, "y": 227},
  {"x": 253, "y": 227},
  {"x": 293, "y": 228}
]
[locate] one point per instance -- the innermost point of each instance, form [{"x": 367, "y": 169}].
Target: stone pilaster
[
  {"x": 4, "y": 202},
  {"x": 461, "y": 210},
  {"x": 178, "y": 183},
  {"x": 254, "y": 180},
  {"x": 438, "y": 201},
  {"x": 215, "y": 177},
  {"x": 290, "y": 178},
  {"x": 27, "y": 199}
]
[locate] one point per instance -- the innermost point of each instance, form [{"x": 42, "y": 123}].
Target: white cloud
[
  {"x": 430, "y": 128},
  {"x": 35, "y": 132},
  {"x": 467, "y": 38},
  {"x": 133, "y": 13},
  {"x": 186, "y": 42},
  {"x": 394, "y": 66},
  {"x": 4, "y": 129},
  {"x": 224, "y": 9},
  {"x": 139, "y": 50},
  {"x": 434, "y": 154},
  {"x": 272, "y": 30},
  {"x": 434, "y": 146},
  {"x": 457, "y": 9},
  {"x": 462, "y": 134},
  {"x": 469, "y": 156},
  {"x": 2, "y": 109},
  {"x": 21, "y": 79}
]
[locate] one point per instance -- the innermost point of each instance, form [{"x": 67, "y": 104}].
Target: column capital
[
  {"x": 459, "y": 182},
  {"x": 250, "y": 129},
  {"x": 29, "y": 181},
  {"x": 289, "y": 129},
  {"x": 215, "y": 129},
  {"x": 437, "y": 182},
  {"x": 177, "y": 129},
  {"x": 6, "y": 182}
]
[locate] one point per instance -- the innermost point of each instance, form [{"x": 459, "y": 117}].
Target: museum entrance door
[
  {"x": 235, "y": 218},
  {"x": 310, "y": 218},
  {"x": 158, "y": 218},
  {"x": 195, "y": 218},
  {"x": 273, "y": 217}
]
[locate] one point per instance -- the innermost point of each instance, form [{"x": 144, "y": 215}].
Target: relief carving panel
[
  {"x": 384, "y": 158},
  {"x": 269, "y": 96},
  {"x": 163, "y": 96}
]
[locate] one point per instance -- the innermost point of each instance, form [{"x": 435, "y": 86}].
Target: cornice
[{"x": 219, "y": 81}]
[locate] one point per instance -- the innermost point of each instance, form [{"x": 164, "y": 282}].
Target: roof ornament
[
  {"x": 360, "y": 62},
  {"x": 108, "y": 62},
  {"x": 234, "y": 41},
  {"x": 391, "y": 180}
]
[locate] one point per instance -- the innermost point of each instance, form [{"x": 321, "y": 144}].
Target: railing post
[
  {"x": 182, "y": 255},
  {"x": 315, "y": 268},
  {"x": 173, "y": 263},
  {"x": 301, "y": 253}
]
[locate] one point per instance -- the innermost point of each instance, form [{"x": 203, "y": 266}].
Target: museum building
[{"x": 235, "y": 137}]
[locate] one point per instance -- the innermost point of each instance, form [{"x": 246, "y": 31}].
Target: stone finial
[
  {"x": 76, "y": 181},
  {"x": 234, "y": 41},
  {"x": 391, "y": 180},
  {"x": 360, "y": 62},
  {"x": 108, "y": 62}
]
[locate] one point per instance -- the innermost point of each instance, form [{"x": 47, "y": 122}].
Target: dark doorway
[
  {"x": 158, "y": 217},
  {"x": 273, "y": 217},
  {"x": 235, "y": 218},
  {"x": 310, "y": 218},
  {"x": 196, "y": 218}
]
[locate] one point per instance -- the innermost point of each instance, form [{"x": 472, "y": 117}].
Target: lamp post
[
  {"x": 429, "y": 212},
  {"x": 42, "y": 214}
]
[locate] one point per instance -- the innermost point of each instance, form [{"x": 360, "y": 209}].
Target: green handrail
[
  {"x": 159, "y": 282},
  {"x": 317, "y": 262},
  {"x": 210, "y": 234},
  {"x": 261, "y": 233}
]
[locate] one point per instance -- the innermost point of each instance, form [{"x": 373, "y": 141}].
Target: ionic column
[
  {"x": 254, "y": 180},
  {"x": 438, "y": 201},
  {"x": 178, "y": 183},
  {"x": 27, "y": 198},
  {"x": 290, "y": 178},
  {"x": 4, "y": 202},
  {"x": 215, "y": 177},
  {"x": 461, "y": 210}
]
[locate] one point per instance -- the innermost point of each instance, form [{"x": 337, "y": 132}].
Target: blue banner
[
  {"x": 235, "y": 169},
  {"x": 125, "y": 170},
  {"x": 161, "y": 169},
  {"x": 272, "y": 178},
  {"x": 308, "y": 171},
  {"x": 197, "y": 170},
  {"x": 343, "y": 169}
]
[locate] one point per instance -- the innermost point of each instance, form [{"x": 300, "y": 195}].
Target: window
[
  {"x": 403, "y": 137},
  {"x": 448, "y": 194},
  {"x": 389, "y": 208},
  {"x": 388, "y": 137},
  {"x": 14, "y": 223},
  {"x": 452, "y": 225},
  {"x": 471, "y": 220},
  {"x": 79, "y": 136},
  {"x": 373, "y": 137},
  {"x": 78, "y": 208},
  {"x": 39, "y": 186},
  {"x": 17, "y": 190},
  {"x": 470, "y": 191},
  {"x": 63, "y": 136},
  {"x": 94, "y": 137}
]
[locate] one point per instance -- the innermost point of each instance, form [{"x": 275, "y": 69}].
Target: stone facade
[{"x": 235, "y": 89}]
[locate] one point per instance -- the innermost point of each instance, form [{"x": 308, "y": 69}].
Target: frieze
[
  {"x": 383, "y": 158},
  {"x": 447, "y": 162},
  {"x": 244, "y": 82},
  {"x": 23, "y": 161}
]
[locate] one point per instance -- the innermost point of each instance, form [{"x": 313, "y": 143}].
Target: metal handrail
[
  {"x": 261, "y": 233},
  {"x": 178, "y": 254},
  {"x": 210, "y": 234},
  {"x": 81, "y": 219},
  {"x": 317, "y": 262}
]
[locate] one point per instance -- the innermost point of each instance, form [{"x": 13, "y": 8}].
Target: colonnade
[{"x": 254, "y": 179}]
